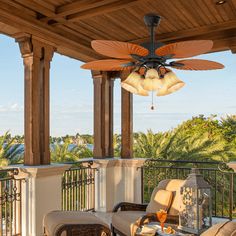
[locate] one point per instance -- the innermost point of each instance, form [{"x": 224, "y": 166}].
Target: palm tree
[
  {"x": 11, "y": 152},
  {"x": 197, "y": 139},
  {"x": 197, "y": 147},
  {"x": 68, "y": 152},
  {"x": 117, "y": 144},
  {"x": 146, "y": 145}
]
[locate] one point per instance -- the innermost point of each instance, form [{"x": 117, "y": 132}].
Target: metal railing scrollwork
[
  {"x": 78, "y": 187},
  {"x": 10, "y": 202}
]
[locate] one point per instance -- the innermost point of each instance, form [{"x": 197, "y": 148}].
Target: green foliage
[
  {"x": 117, "y": 144},
  {"x": 67, "y": 152},
  {"x": 11, "y": 152},
  {"x": 200, "y": 138},
  {"x": 88, "y": 139},
  {"x": 146, "y": 145},
  {"x": 197, "y": 139}
]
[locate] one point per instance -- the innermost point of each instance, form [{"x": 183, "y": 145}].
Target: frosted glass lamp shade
[
  {"x": 133, "y": 79},
  {"x": 176, "y": 86},
  {"x": 172, "y": 82},
  {"x": 133, "y": 84},
  {"x": 152, "y": 74},
  {"x": 129, "y": 88},
  {"x": 163, "y": 91},
  {"x": 152, "y": 82},
  {"x": 142, "y": 91}
]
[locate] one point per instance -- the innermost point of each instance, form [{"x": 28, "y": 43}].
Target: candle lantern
[{"x": 196, "y": 204}]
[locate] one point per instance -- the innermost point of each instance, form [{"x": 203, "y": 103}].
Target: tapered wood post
[
  {"x": 126, "y": 120},
  {"x": 103, "y": 114},
  {"x": 36, "y": 56}
]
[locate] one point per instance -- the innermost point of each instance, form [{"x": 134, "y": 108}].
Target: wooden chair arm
[{"x": 128, "y": 206}]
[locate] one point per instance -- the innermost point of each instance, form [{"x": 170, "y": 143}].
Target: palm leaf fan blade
[
  {"x": 196, "y": 64},
  {"x": 185, "y": 49},
  {"x": 116, "y": 49},
  {"x": 108, "y": 65}
]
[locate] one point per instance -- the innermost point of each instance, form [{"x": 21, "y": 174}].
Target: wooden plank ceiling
[{"x": 70, "y": 25}]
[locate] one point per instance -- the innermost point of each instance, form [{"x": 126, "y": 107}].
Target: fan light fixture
[{"x": 149, "y": 63}]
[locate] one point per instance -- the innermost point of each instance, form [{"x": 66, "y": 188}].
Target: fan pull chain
[{"x": 152, "y": 106}]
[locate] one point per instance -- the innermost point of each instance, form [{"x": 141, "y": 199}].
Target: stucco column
[
  {"x": 41, "y": 193},
  {"x": 117, "y": 180}
]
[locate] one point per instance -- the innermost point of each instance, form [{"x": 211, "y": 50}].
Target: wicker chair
[
  {"x": 128, "y": 217},
  {"x": 74, "y": 223}
]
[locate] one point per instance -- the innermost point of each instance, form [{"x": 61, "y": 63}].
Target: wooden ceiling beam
[
  {"x": 224, "y": 44},
  {"x": 101, "y": 9},
  {"x": 233, "y": 49},
  {"x": 82, "y": 9},
  {"x": 38, "y": 7},
  {"x": 191, "y": 33},
  {"x": 79, "y": 6},
  {"x": 12, "y": 16},
  {"x": 7, "y": 29}
]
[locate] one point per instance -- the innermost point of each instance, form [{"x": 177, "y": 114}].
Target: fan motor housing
[{"x": 152, "y": 20}]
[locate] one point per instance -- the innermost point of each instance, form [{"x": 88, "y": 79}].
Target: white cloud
[{"x": 14, "y": 107}]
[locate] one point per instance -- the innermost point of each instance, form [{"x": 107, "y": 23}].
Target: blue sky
[{"x": 206, "y": 92}]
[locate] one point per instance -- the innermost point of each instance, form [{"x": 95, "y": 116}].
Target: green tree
[
  {"x": 117, "y": 144},
  {"x": 88, "y": 139},
  {"x": 10, "y": 151},
  {"x": 146, "y": 145},
  {"x": 199, "y": 138},
  {"x": 68, "y": 152}
]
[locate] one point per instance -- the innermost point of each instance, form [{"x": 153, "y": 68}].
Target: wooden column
[
  {"x": 103, "y": 114},
  {"x": 36, "y": 56},
  {"x": 126, "y": 120}
]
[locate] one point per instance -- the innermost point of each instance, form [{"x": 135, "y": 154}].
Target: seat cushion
[
  {"x": 55, "y": 219},
  {"x": 174, "y": 186},
  {"x": 127, "y": 221},
  {"x": 222, "y": 229},
  {"x": 160, "y": 199}
]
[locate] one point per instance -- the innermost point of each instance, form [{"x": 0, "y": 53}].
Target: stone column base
[
  {"x": 117, "y": 180},
  {"x": 232, "y": 165},
  {"x": 41, "y": 193}
]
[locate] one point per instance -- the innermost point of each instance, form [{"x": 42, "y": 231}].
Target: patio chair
[
  {"x": 74, "y": 223},
  {"x": 227, "y": 228},
  {"x": 128, "y": 217}
]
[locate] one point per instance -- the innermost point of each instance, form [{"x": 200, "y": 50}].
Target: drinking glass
[{"x": 162, "y": 216}]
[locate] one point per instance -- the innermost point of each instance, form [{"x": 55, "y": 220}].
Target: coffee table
[{"x": 175, "y": 227}]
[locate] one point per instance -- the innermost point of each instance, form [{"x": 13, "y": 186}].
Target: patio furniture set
[{"x": 129, "y": 218}]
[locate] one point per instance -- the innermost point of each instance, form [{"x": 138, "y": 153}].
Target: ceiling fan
[{"x": 150, "y": 63}]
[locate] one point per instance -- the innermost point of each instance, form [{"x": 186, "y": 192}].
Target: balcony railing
[
  {"x": 10, "y": 203},
  {"x": 78, "y": 188},
  {"x": 222, "y": 180}
]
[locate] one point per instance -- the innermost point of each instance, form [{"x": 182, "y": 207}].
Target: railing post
[
  {"x": 231, "y": 198},
  {"x": 142, "y": 185}
]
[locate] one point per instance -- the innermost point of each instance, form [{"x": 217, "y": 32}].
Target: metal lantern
[{"x": 196, "y": 204}]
